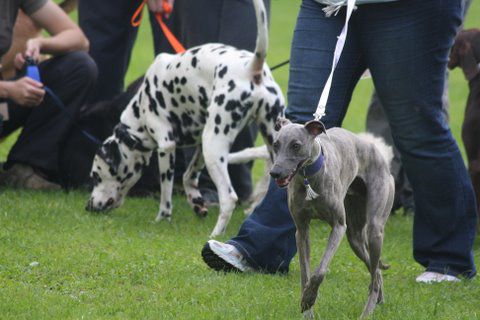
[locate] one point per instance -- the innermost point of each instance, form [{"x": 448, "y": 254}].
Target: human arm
[{"x": 66, "y": 36}]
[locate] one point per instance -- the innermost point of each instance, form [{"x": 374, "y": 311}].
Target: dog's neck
[{"x": 316, "y": 160}]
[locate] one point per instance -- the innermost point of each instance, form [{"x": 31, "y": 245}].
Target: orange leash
[{"x": 167, "y": 9}]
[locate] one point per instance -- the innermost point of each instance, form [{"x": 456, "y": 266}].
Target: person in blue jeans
[{"x": 405, "y": 44}]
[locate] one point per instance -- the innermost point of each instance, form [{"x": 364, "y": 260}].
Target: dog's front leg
[
  {"x": 166, "y": 163},
  {"x": 309, "y": 295},
  {"x": 302, "y": 237}
]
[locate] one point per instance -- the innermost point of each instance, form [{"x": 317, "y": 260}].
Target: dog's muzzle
[{"x": 101, "y": 207}]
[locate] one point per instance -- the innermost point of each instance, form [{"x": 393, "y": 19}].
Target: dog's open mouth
[{"x": 283, "y": 182}]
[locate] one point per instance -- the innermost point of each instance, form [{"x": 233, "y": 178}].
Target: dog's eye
[
  {"x": 276, "y": 146},
  {"x": 295, "y": 146}
]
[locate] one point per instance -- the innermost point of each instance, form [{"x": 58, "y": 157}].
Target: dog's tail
[
  {"x": 262, "y": 41},
  {"x": 385, "y": 150}
]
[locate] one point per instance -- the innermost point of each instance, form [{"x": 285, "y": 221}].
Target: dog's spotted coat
[{"x": 202, "y": 97}]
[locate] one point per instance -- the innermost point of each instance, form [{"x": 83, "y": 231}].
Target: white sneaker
[
  {"x": 224, "y": 257},
  {"x": 430, "y": 277}
]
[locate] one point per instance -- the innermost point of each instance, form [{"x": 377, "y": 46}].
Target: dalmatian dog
[{"x": 202, "y": 97}]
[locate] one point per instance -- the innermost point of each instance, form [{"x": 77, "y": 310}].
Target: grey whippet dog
[{"x": 343, "y": 179}]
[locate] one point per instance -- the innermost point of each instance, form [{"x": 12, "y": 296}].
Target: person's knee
[{"x": 83, "y": 66}]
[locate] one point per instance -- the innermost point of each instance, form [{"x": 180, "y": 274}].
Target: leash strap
[
  {"x": 167, "y": 9},
  {"x": 62, "y": 106},
  {"x": 322, "y": 103}
]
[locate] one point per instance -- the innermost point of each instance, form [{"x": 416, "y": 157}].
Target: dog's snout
[{"x": 89, "y": 206}]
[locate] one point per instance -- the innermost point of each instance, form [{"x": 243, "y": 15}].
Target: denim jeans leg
[
  {"x": 267, "y": 237},
  {"x": 408, "y": 61}
]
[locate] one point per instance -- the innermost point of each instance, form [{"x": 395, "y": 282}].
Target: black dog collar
[{"x": 134, "y": 143}]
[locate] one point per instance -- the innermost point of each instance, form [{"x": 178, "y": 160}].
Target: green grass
[{"x": 122, "y": 265}]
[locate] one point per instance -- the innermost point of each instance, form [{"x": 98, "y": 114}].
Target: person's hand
[
  {"x": 26, "y": 92},
  {"x": 33, "y": 50},
  {"x": 19, "y": 61},
  {"x": 157, "y": 5}
]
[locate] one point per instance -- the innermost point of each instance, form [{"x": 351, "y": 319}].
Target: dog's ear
[
  {"x": 315, "y": 127},
  {"x": 110, "y": 153},
  {"x": 281, "y": 122},
  {"x": 466, "y": 60}
]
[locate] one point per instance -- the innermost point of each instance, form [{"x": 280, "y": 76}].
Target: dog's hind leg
[
  {"x": 190, "y": 183},
  {"x": 355, "y": 207},
  {"x": 215, "y": 160},
  {"x": 379, "y": 203},
  {"x": 339, "y": 227},
  {"x": 166, "y": 163}
]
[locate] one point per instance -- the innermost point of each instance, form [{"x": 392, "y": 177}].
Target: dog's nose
[{"x": 274, "y": 174}]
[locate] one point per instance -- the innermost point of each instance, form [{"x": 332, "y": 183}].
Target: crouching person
[{"x": 70, "y": 73}]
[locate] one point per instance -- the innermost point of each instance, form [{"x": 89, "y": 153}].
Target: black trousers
[
  {"x": 71, "y": 77},
  {"x": 112, "y": 37}
]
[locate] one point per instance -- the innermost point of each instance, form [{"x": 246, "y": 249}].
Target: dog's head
[
  {"x": 116, "y": 168},
  {"x": 293, "y": 146},
  {"x": 465, "y": 53}
]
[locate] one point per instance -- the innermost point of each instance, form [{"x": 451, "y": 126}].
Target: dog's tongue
[{"x": 281, "y": 182}]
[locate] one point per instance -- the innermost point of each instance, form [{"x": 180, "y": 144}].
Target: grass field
[{"x": 59, "y": 262}]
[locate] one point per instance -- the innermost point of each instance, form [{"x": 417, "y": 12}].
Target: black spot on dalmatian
[
  {"x": 258, "y": 55},
  {"x": 236, "y": 116},
  {"x": 141, "y": 129},
  {"x": 161, "y": 154},
  {"x": 222, "y": 159},
  {"x": 110, "y": 153},
  {"x": 220, "y": 99},
  {"x": 222, "y": 52},
  {"x": 183, "y": 99},
  {"x": 136, "y": 110},
  {"x": 125, "y": 169},
  {"x": 203, "y": 99},
  {"x": 168, "y": 86},
  {"x": 177, "y": 80},
  {"x": 270, "y": 139},
  {"x": 162, "y": 177},
  {"x": 151, "y": 130},
  {"x": 138, "y": 167},
  {"x": 174, "y": 102},
  {"x": 245, "y": 95},
  {"x": 232, "y": 105},
  {"x": 272, "y": 90},
  {"x": 168, "y": 205},
  {"x": 190, "y": 98},
  {"x": 160, "y": 99},
  {"x": 169, "y": 175},
  {"x": 183, "y": 81},
  {"x": 194, "y": 62},
  {"x": 178, "y": 65},
  {"x": 155, "y": 81},
  {"x": 172, "y": 160},
  {"x": 231, "y": 85},
  {"x": 187, "y": 120},
  {"x": 222, "y": 72},
  {"x": 218, "y": 119},
  {"x": 217, "y": 131},
  {"x": 127, "y": 177},
  {"x": 171, "y": 137},
  {"x": 96, "y": 180},
  {"x": 263, "y": 17},
  {"x": 251, "y": 86},
  {"x": 227, "y": 128},
  {"x": 194, "y": 51}
]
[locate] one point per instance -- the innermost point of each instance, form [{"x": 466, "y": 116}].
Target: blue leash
[{"x": 34, "y": 73}]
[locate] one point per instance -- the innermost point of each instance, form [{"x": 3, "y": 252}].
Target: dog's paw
[
  {"x": 162, "y": 215},
  {"x": 308, "y": 298},
  {"x": 308, "y": 314}
]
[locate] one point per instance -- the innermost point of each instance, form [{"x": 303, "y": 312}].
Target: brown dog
[
  {"x": 466, "y": 54},
  {"x": 24, "y": 30}
]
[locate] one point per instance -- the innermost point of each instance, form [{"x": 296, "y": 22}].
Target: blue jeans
[{"x": 405, "y": 44}]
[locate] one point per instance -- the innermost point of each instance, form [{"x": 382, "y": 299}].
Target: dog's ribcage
[{"x": 207, "y": 86}]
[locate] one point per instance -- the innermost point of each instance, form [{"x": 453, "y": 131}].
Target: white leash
[{"x": 322, "y": 104}]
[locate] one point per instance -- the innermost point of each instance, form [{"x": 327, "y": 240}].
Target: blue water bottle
[{"x": 32, "y": 69}]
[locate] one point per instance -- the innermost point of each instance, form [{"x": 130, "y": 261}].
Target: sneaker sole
[{"x": 215, "y": 262}]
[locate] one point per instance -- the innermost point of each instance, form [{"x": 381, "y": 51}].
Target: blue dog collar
[{"x": 313, "y": 168}]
